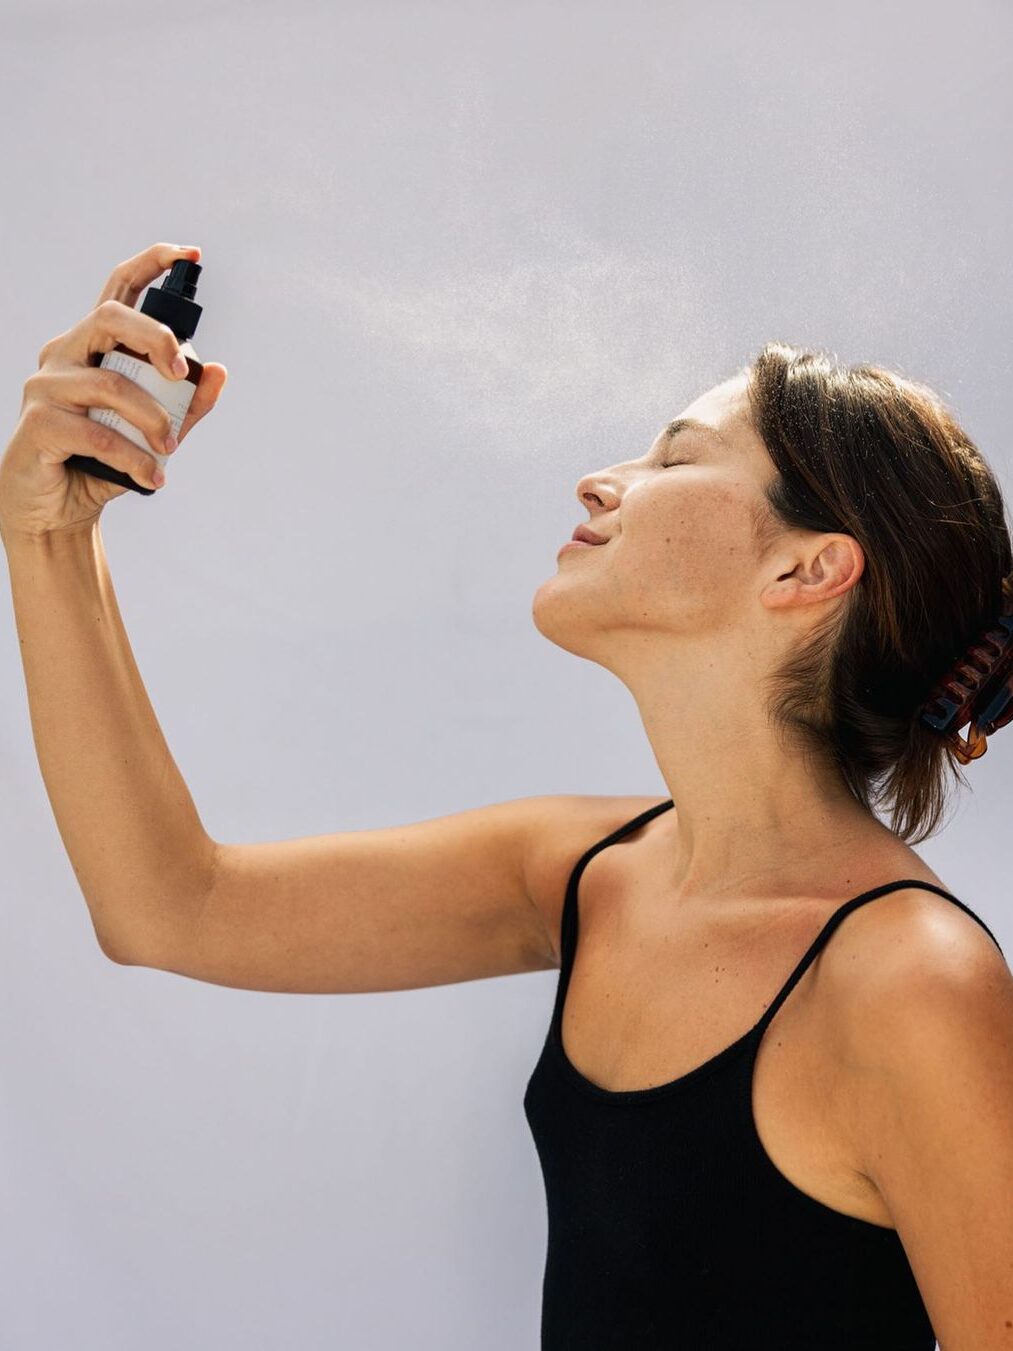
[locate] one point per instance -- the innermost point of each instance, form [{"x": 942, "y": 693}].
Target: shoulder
[
  {"x": 563, "y": 828},
  {"x": 908, "y": 969},
  {"x": 905, "y": 940}
]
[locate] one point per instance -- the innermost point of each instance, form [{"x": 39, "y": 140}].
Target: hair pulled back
[{"x": 863, "y": 451}]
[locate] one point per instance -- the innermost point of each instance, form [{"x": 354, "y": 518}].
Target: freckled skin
[
  {"x": 691, "y": 612},
  {"x": 666, "y": 527}
]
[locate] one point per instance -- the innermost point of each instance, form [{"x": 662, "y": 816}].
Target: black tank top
[{"x": 670, "y": 1228}]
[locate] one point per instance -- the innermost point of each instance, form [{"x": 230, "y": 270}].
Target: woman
[{"x": 782, "y": 581}]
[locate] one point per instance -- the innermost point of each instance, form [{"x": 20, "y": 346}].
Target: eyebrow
[{"x": 682, "y": 424}]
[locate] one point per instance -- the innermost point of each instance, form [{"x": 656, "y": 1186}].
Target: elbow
[{"x": 115, "y": 951}]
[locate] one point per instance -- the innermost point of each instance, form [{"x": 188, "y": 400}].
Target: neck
[{"x": 752, "y": 815}]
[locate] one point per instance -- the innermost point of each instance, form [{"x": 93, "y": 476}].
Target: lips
[{"x": 588, "y": 536}]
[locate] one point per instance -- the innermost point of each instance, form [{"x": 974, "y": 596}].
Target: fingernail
[
  {"x": 179, "y": 364},
  {"x": 170, "y": 443},
  {"x": 158, "y": 477}
]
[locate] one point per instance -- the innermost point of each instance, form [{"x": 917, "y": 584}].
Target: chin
[{"x": 558, "y": 617}]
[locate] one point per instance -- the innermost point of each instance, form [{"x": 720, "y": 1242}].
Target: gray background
[{"x": 455, "y": 256}]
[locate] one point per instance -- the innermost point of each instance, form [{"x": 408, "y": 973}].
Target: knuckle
[
  {"x": 102, "y": 437},
  {"x": 110, "y": 382},
  {"x": 33, "y": 411},
  {"x": 120, "y": 391}
]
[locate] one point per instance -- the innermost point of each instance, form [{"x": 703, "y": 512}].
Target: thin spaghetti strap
[
  {"x": 840, "y": 914},
  {"x": 569, "y": 917}
]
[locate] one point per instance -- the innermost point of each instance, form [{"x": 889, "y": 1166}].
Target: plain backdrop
[{"x": 456, "y": 255}]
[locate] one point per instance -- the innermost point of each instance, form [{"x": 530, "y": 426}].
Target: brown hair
[{"x": 863, "y": 451}]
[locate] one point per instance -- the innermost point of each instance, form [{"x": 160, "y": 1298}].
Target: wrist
[{"x": 41, "y": 542}]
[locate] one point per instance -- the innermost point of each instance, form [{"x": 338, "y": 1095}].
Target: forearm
[{"x": 142, "y": 858}]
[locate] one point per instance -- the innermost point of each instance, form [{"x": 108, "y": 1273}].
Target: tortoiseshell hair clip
[{"x": 982, "y": 677}]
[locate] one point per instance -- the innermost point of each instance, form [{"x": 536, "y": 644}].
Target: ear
[{"x": 814, "y": 569}]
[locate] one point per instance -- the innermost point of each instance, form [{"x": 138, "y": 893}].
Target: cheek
[
  {"x": 672, "y": 527},
  {"x": 681, "y": 536}
]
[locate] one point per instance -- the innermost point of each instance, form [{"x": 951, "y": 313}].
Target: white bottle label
[{"x": 175, "y": 396}]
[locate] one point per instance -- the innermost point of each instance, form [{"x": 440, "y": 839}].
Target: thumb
[{"x": 212, "y": 382}]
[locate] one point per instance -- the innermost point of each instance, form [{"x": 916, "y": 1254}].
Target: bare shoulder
[
  {"x": 564, "y": 827},
  {"x": 907, "y": 928},
  {"x": 896, "y": 946}
]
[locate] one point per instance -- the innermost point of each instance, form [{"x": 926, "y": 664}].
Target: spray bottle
[{"x": 172, "y": 304}]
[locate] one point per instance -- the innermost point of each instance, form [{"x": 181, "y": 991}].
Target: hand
[{"x": 39, "y": 494}]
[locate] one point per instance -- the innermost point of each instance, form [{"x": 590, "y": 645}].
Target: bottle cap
[{"x": 173, "y": 302}]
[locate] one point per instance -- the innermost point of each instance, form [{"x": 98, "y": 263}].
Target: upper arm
[
  {"x": 395, "y": 908},
  {"x": 931, "y": 1054},
  {"x": 450, "y": 899}
]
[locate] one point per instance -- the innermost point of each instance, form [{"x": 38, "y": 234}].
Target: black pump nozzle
[{"x": 173, "y": 302}]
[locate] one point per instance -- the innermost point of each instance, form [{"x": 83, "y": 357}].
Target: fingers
[
  {"x": 117, "y": 300},
  {"x": 75, "y": 387},
  {"x": 113, "y": 322},
  {"x": 129, "y": 278},
  {"x": 60, "y": 434}
]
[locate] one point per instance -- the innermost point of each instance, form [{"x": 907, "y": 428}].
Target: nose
[{"x": 594, "y": 493}]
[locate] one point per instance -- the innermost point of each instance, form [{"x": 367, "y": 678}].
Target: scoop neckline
[
  {"x": 740, "y": 1044},
  {"x": 654, "y": 1090}
]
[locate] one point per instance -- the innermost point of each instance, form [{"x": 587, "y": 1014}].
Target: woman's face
[{"x": 681, "y": 554}]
